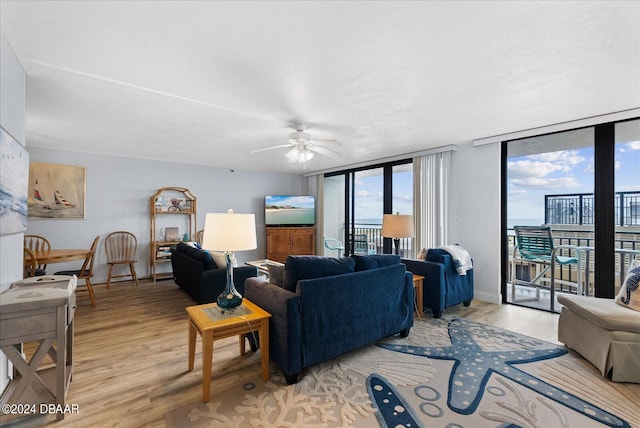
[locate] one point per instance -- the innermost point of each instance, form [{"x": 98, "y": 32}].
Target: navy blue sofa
[
  {"x": 196, "y": 273},
  {"x": 328, "y": 306},
  {"x": 443, "y": 286}
]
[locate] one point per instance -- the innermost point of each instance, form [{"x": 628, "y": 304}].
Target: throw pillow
[
  {"x": 221, "y": 261},
  {"x": 375, "y": 261},
  {"x": 629, "y": 295},
  {"x": 276, "y": 275},
  {"x": 308, "y": 267},
  {"x": 422, "y": 254}
]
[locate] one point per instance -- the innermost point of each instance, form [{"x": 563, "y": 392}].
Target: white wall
[
  {"x": 475, "y": 214},
  {"x": 12, "y": 119},
  {"x": 117, "y": 198}
]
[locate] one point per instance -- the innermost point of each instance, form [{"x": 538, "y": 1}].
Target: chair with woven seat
[
  {"x": 37, "y": 243},
  {"x": 120, "y": 248},
  {"x": 86, "y": 271},
  {"x": 535, "y": 246}
]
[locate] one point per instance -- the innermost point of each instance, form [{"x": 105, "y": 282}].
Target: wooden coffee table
[{"x": 213, "y": 323}]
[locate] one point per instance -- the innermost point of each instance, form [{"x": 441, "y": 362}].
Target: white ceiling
[{"x": 208, "y": 82}]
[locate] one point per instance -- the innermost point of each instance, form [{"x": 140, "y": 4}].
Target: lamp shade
[
  {"x": 397, "y": 226},
  {"x": 229, "y": 232}
]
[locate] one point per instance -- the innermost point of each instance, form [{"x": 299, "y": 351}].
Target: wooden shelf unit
[
  {"x": 286, "y": 241},
  {"x": 171, "y": 204}
]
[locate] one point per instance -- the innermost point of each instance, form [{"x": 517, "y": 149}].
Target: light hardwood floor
[{"x": 130, "y": 362}]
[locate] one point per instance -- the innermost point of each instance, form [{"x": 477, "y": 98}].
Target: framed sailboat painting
[{"x": 56, "y": 191}]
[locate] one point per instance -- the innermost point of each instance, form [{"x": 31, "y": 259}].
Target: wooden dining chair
[
  {"x": 121, "y": 247},
  {"x": 199, "y": 236},
  {"x": 37, "y": 243},
  {"x": 29, "y": 264},
  {"x": 86, "y": 271}
]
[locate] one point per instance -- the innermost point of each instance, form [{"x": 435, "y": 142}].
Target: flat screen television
[{"x": 288, "y": 210}]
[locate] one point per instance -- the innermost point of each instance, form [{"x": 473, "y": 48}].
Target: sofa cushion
[
  {"x": 375, "y": 261},
  {"x": 308, "y": 267},
  {"x": 201, "y": 255},
  {"x": 276, "y": 274},
  {"x": 604, "y": 313}
]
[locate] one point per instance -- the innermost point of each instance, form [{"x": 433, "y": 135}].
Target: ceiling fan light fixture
[{"x": 299, "y": 154}]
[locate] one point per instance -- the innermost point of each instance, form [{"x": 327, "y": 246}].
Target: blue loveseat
[
  {"x": 195, "y": 271},
  {"x": 327, "y": 306},
  {"x": 443, "y": 286}
]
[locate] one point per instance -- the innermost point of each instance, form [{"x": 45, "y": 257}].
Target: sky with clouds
[{"x": 532, "y": 177}]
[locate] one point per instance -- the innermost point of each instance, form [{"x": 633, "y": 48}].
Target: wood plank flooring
[{"x": 130, "y": 361}]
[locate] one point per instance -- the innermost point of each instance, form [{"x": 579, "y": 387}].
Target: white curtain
[
  {"x": 431, "y": 199},
  {"x": 315, "y": 186}
]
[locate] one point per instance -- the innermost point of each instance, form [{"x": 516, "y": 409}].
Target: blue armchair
[{"x": 443, "y": 286}]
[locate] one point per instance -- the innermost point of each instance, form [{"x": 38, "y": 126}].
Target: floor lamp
[
  {"x": 397, "y": 226},
  {"x": 229, "y": 232}
]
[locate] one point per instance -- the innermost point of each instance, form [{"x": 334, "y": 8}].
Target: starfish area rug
[{"x": 449, "y": 373}]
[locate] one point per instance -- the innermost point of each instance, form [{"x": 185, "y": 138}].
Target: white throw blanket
[{"x": 461, "y": 258}]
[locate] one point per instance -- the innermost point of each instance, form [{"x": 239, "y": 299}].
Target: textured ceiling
[{"x": 208, "y": 82}]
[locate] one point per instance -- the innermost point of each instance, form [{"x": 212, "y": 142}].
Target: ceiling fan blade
[
  {"x": 324, "y": 151},
  {"x": 325, "y": 142},
  {"x": 271, "y": 148}
]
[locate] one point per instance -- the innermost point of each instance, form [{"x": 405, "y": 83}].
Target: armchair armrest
[
  {"x": 284, "y": 324},
  {"x": 434, "y": 283}
]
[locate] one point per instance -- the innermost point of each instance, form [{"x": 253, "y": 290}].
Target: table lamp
[
  {"x": 229, "y": 232},
  {"x": 397, "y": 226}
]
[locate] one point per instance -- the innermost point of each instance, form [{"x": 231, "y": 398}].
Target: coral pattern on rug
[{"x": 447, "y": 373}]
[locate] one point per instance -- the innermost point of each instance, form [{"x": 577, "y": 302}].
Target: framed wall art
[
  {"x": 56, "y": 191},
  {"x": 14, "y": 174}
]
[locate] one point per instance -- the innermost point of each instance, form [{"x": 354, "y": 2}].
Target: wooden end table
[
  {"x": 418, "y": 284},
  {"x": 212, "y": 324}
]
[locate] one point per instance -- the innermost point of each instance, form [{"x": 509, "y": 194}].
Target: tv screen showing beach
[{"x": 289, "y": 210}]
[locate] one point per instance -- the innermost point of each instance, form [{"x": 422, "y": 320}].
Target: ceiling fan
[{"x": 303, "y": 148}]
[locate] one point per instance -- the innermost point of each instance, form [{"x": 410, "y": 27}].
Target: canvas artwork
[
  {"x": 56, "y": 191},
  {"x": 14, "y": 171}
]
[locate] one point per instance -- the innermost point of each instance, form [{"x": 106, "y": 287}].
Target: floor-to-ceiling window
[
  {"x": 355, "y": 201},
  {"x": 583, "y": 184}
]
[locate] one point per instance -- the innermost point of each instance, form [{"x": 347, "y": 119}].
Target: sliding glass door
[
  {"x": 584, "y": 185},
  {"x": 356, "y": 200}
]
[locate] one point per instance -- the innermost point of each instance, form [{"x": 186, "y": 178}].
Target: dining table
[{"x": 46, "y": 257}]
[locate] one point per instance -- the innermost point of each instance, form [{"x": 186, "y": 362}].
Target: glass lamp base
[{"x": 230, "y": 300}]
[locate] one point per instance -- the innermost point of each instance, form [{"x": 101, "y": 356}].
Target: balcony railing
[
  {"x": 578, "y": 208},
  {"x": 627, "y": 246},
  {"x": 368, "y": 239}
]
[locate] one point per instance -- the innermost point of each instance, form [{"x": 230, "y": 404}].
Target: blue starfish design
[{"x": 473, "y": 367}]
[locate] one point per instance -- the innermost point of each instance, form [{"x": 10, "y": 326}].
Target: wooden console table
[{"x": 39, "y": 309}]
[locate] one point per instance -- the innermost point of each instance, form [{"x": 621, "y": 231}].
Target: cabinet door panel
[
  {"x": 302, "y": 244},
  {"x": 278, "y": 245}
]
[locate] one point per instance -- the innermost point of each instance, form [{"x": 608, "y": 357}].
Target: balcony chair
[
  {"x": 86, "y": 271},
  {"x": 120, "y": 248},
  {"x": 37, "y": 243},
  {"x": 535, "y": 247},
  {"x": 334, "y": 245},
  {"x": 360, "y": 243}
]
